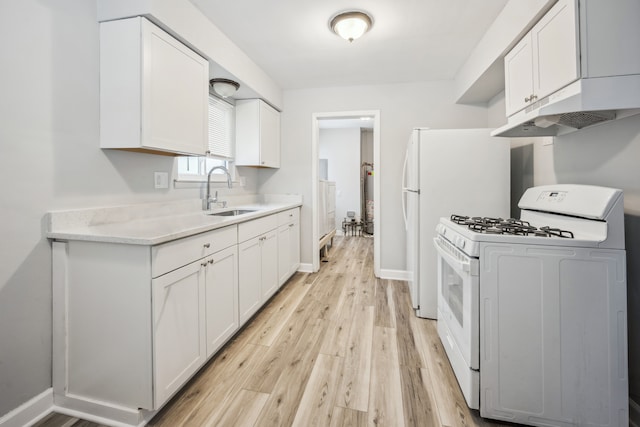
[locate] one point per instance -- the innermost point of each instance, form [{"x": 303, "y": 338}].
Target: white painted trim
[
  {"x": 305, "y": 268},
  {"x": 634, "y": 414},
  {"x": 96, "y": 419},
  {"x": 376, "y": 194},
  {"x": 315, "y": 138},
  {"x": 394, "y": 274},
  {"x": 315, "y": 230},
  {"x": 30, "y": 412}
]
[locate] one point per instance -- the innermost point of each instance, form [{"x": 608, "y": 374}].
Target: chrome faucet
[{"x": 206, "y": 202}]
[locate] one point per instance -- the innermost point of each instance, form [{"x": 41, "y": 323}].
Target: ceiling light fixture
[
  {"x": 224, "y": 87},
  {"x": 351, "y": 25}
]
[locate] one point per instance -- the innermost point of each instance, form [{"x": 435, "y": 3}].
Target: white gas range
[{"x": 532, "y": 312}]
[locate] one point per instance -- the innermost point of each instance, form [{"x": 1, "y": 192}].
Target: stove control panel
[
  {"x": 582, "y": 201},
  {"x": 552, "y": 196}
]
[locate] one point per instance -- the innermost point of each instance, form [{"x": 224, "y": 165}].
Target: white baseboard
[
  {"x": 29, "y": 412},
  {"x": 634, "y": 414},
  {"x": 394, "y": 274},
  {"x": 305, "y": 268}
]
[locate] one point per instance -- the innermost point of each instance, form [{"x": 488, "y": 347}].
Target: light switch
[{"x": 161, "y": 179}]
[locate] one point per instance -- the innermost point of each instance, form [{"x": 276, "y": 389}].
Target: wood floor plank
[
  {"x": 219, "y": 379},
  {"x": 385, "y": 399},
  {"x": 277, "y": 357},
  {"x": 345, "y": 417},
  {"x": 385, "y": 311},
  {"x": 337, "y": 336},
  {"x": 356, "y": 373},
  {"x": 316, "y": 405},
  {"x": 452, "y": 408},
  {"x": 269, "y": 325},
  {"x": 241, "y": 411},
  {"x": 419, "y": 405},
  {"x": 408, "y": 353},
  {"x": 284, "y": 400}
]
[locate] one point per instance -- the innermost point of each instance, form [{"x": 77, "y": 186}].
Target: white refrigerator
[{"x": 448, "y": 171}]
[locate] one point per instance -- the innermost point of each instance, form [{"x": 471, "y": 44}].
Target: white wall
[
  {"x": 342, "y": 148},
  {"x": 402, "y": 107},
  {"x": 49, "y": 146}
]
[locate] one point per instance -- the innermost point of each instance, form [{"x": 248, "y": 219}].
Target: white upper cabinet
[
  {"x": 545, "y": 60},
  {"x": 153, "y": 90},
  {"x": 257, "y": 134}
]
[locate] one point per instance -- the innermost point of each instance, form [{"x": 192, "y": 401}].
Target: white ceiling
[{"x": 411, "y": 40}]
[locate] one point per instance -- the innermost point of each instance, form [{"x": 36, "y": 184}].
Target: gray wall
[
  {"x": 607, "y": 155},
  {"x": 49, "y": 146},
  {"x": 402, "y": 107}
]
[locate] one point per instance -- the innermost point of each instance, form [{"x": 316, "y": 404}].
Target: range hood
[{"x": 583, "y": 103}]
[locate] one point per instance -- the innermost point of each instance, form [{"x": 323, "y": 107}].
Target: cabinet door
[
  {"x": 269, "y": 136},
  {"x": 175, "y": 94},
  {"x": 221, "y": 297},
  {"x": 518, "y": 68},
  {"x": 556, "y": 60},
  {"x": 269, "y": 263},
  {"x": 284, "y": 253},
  {"x": 179, "y": 346},
  {"x": 294, "y": 242},
  {"x": 249, "y": 278},
  {"x": 257, "y": 134}
]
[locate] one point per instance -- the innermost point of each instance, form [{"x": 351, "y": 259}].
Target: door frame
[{"x": 315, "y": 142}]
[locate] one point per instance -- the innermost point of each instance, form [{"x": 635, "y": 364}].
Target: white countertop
[{"x": 152, "y": 224}]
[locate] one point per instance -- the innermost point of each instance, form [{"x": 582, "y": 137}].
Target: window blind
[{"x": 221, "y": 128}]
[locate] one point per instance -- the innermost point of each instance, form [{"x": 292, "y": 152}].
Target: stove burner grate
[{"x": 511, "y": 226}]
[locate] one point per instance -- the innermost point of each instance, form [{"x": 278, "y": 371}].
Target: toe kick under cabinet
[{"x": 132, "y": 323}]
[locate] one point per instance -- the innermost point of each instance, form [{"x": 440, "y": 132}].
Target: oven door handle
[{"x": 458, "y": 264}]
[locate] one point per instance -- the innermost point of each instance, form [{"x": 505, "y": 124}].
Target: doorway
[{"x": 365, "y": 211}]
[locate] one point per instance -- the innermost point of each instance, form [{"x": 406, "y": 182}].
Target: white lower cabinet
[
  {"x": 258, "y": 264},
  {"x": 195, "y": 311},
  {"x": 221, "y": 290},
  {"x": 179, "y": 347},
  {"x": 132, "y": 323},
  {"x": 288, "y": 244}
]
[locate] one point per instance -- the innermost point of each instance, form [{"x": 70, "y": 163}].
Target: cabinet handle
[
  {"x": 291, "y": 225},
  {"x": 531, "y": 97},
  {"x": 211, "y": 261},
  {"x": 207, "y": 245},
  {"x": 204, "y": 264}
]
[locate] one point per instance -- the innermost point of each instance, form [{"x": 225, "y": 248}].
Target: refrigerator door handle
[
  {"x": 404, "y": 209},
  {"x": 404, "y": 189},
  {"x": 403, "y": 185}
]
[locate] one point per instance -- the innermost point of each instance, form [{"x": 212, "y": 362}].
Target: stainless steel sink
[{"x": 233, "y": 212}]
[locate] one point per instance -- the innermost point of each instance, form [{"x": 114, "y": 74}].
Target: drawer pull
[
  {"x": 204, "y": 264},
  {"x": 207, "y": 245},
  {"x": 211, "y": 261},
  {"x": 291, "y": 225}
]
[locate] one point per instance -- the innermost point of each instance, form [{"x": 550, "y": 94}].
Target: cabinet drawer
[
  {"x": 250, "y": 229},
  {"x": 171, "y": 255},
  {"x": 287, "y": 217}
]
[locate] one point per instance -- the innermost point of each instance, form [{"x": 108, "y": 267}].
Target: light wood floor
[{"x": 335, "y": 348}]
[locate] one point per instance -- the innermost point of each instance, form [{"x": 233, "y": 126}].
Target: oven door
[{"x": 458, "y": 300}]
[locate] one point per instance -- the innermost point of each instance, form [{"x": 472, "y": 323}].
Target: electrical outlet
[{"x": 161, "y": 180}]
